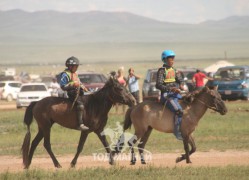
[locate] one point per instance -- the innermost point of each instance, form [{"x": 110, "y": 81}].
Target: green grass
[
  {"x": 213, "y": 132},
  {"x": 228, "y": 172}
]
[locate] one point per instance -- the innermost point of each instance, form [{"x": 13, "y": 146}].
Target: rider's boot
[
  {"x": 80, "y": 113},
  {"x": 177, "y": 127}
]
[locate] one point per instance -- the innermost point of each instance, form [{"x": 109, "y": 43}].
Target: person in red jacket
[{"x": 198, "y": 79}]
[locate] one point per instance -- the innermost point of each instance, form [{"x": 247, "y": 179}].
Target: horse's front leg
[
  {"x": 193, "y": 149},
  {"x": 186, "y": 148},
  {"x": 107, "y": 147},
  {"x": 82, "y": 141}
]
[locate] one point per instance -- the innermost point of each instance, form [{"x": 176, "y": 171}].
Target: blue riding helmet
[{"x": 166, "y": 54}]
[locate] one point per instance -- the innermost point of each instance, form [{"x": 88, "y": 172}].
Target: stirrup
[{"x": 82, "y": 127}]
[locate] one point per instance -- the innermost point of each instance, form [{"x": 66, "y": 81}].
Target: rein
[{"x": 208, "y": 106}]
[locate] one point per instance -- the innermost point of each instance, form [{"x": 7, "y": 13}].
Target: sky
[{"x": 177, "y": 11}]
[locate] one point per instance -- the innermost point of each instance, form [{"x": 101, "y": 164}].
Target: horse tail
[
  {"x": 28, "y": 117},
  {"x": 127, "y": 121}
]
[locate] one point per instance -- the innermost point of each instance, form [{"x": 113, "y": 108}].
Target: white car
[
  {"x": 9, "y": 89},
  {"x": 31, "y": 92}
]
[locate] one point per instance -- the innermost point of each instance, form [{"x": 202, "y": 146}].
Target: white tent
[{"x": 214, "y": 67}]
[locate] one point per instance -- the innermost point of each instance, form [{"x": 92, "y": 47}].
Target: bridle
[
  {"x": 115, "y": 94},
  {"x": 215, "y": 108}
]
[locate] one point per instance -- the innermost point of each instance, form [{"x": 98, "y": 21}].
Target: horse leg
[
  {"x": 131, "y": 143},
  {"x": 193, "y": 149},
  {"x": 34, "y": 144},
  {"x": 119, "y": 146},
  {"x": 107, "y": 147},
  {"x": 82, "y": 141},
  {"x": 47, "y": 145},
  {"x": 143, "y": 141}
]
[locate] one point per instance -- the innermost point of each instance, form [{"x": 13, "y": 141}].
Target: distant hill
[
  {"x": 51, "y": 37},
  {"x": 18, "y": 26}
]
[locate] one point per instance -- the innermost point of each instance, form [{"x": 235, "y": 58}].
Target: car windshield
[
  {"x": 92, "y": 78},
  {"x": 189, "y": 75},
  {"x": 33, "y": 88},
  {"x": 230, "y": 74},
  {"x": 153, "y": 76}
]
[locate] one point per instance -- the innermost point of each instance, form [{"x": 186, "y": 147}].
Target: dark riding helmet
[{"x": 72, "y": 61}]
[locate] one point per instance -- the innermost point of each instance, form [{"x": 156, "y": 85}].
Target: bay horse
[
  {"x": 152, "y": 115},
  {"x": 52, "y": 110}
]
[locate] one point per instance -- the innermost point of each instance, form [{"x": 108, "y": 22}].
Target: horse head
[
  {"x": 213, "y": 100},
  {"x": 118, "y": 93}
]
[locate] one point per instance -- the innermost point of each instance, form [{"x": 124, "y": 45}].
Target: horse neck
[
  {"x": 198, "y": 108},
  {"x": 103, "y": 104}
]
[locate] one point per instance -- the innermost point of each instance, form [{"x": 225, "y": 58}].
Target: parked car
[
  {"x": 30, "y": 92},
  {"x": 232, "y": 82},
  {"x": 149, "y": 90},
  {"x": 9, "y": 89},
  {"x": 93, "y": 81}
]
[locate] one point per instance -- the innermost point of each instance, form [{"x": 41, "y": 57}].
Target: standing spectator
[
  {"x": 133, "y": 85},
  {"x": 54, "y": 87},
  {"x": 122, "y": 80},
  {"x": 198, "y": 79}
]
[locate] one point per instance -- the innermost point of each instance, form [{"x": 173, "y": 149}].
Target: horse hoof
[
  {"x": 143, "y": 162},
  {"x": 111, "y": 162},
  {"x": 58, "y": 166},
  {"x": 178, "y": 159},
  {"x": 132, "y": 163},
  {"x": 72, "y": 165}
]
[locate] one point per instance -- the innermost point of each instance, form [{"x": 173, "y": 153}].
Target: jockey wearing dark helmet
[
  {"x": 169, "y": 83},
  {"x": 70, "y": 82}
]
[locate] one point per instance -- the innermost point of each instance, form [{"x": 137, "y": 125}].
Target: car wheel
[
  {"x": 246, "y": 97},
  {"x": 9, "y": 98}
]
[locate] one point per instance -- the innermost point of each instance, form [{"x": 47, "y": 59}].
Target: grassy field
[
  {"x": 213, "y": 132},
  {"x": 229, "y": 172},
  {"x": 229, "y": 132}
]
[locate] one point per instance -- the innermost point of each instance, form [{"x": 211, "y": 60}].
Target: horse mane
[
  {"x": 190, "y": 96},
  {"x": 98, "y": 99}
]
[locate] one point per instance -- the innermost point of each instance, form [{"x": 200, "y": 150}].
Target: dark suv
[{"x": 150, "y": 92}]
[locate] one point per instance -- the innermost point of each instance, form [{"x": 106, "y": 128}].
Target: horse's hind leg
[
  {"x": 143, "y": 141},
  {"x": 34, "y": 144},
  {"x": 131, "y": 143},
  {"x": 47, "y": 145},
  {"x": 82, "y": 140},
  {"x": 107, "y": 147}
]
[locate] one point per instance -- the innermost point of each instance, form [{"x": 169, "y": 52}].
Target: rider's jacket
[
  {"x": 67, "y": 80},
  {"x": 167, "y": 78}
]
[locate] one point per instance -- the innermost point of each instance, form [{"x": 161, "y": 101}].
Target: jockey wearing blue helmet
[
  {"x": 166, "y": 54},
  {"x": 169, "y": 82}
]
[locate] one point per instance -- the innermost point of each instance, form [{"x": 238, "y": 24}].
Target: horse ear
[{"x": 113, "y": 74}]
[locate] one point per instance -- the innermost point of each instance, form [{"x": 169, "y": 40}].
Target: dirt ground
[{"x": 211, "y": 158}]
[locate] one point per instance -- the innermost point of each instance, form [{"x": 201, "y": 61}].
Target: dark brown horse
[
  {"x": 52, "y": 110},
  {"x": 152, "y": 115}
]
